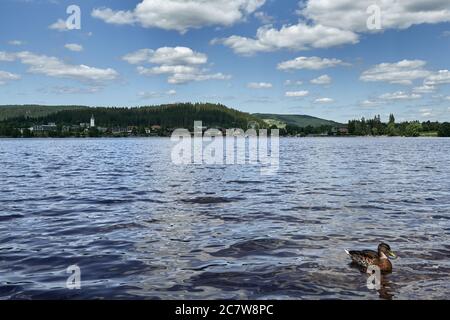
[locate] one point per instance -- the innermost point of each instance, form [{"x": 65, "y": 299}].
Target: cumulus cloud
[
  {"x": 351, "y": 15},
  {"x": 370, "y": 103},
  {"x": 54, "y": 67},
  {"x": 59, "y": 25},
  {"x": 292, "y": 82},
  {"x": 337, "y": 22},
  {"x": 297, "y": 94},
  {"x": 170, "y": 56},
  {"x": 7, "y": 76},
  {"x": 73, "y": 90},
  {"x": 403, "y": 72},
  {"x": 180, "y": 64},
  {"x": 15, "y": 42},
  {"x": 259, "y": 85},
  {"x": 8, "y": 57},
  {"x": 322, "y": 80},
  {"x": 114, "y": 17},
  {"x": 147, "y": 95},
  {"x": 74, "y": 47},
  {"x": 426, "y": 112},
  {"x": 310, "y": 63},
  {"x": 424, "y": 89},
  {"x": 181, "y": 15},
  {"x": 292, "y": 37},
  {"x": 400, "y": 95},
  {"x": 324, "y": 100},
  {"x": 438, "y": 78}
]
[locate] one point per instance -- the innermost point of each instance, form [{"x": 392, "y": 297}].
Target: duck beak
[{"x": 392, "y": 255}]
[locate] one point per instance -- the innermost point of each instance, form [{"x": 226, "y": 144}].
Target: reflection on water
[{"x": 140, "y": 227}]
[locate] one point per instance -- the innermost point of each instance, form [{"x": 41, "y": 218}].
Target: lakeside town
[
  {"x": 161, "y": 121},
  {"x": 90, "y": 129}
]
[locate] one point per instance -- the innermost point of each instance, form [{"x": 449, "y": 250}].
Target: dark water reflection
[{"x": 140, "y": 227}]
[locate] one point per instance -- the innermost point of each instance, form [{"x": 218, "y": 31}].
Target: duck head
[{"x": 384, "y": 251}]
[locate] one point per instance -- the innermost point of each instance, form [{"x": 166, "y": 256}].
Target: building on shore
[
  {"x": 44, "y": 128},
  {"x": 92, "y": 124}
]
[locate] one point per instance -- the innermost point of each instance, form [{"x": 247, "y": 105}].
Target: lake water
[{"x": 140, "y": 227}]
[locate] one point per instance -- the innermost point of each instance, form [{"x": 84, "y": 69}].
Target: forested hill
[
  {"x": 32, "y": 111},
  {"x": 180, "y": 115},
  {"x": 302, "y": 121}
]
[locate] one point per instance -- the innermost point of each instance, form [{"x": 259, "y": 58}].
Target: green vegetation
[
  {"x": 74, "y": 121},
  {"x": 32, "y": 111},
  {"x": 300, "y": 121},
  {"x": 375, "y": 127}
]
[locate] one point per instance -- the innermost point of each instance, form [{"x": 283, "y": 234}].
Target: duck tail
[{"x": 347, "y": 252}]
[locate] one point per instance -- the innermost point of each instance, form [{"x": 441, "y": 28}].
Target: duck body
[{"x": 366, "y": 258}]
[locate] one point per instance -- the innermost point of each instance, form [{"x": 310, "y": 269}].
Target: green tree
[
  {"x": 391, "y": 129},
  {"x": 391, "y": 118},
  {"x": 413, "y": 129},
  {"x": 444, "y": 130},
  {"x": 93, "y": 132}
]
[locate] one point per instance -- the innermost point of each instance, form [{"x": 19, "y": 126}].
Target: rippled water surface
[{"x": 142, "y": 228}]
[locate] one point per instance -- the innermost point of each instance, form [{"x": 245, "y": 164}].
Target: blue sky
[{"x": 315, "y": 57}]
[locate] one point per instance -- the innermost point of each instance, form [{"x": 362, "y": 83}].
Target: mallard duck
[{"x": 368, "y": 258}]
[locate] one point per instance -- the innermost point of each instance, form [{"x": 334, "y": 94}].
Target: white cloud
[
  {"x": 400, "y": 95},
  {"x": 114, "y": 17},
  {"x": 259, "y": 85},
  {"x": 438, "y": 78},
  {"x": 15, "y": 42},
  {"x": 7, "y": 76},
  {"x": 181, "y": 15},
  {"x": 424, "y": 89},
  {"x": 144, "y": 95},
  {"x": 264, "y": 17},
  {"x": 293, "y": 83},
  {"x": 322, "y": 80},
  {"x": 74, "y": 47},
  {"x": 311, "y": 63},
  {"x": 324, "y": 100},
  {"x": 59, "y": 25},
  {"x": 137, "y": 57},
  {"x": 8, "y": 57},
  {"x": 370, "y": 103},
  {"x": 403, "y": 72},
  {"x": 295, "y": 37},
  {"x": 426, "y": 112},
  {"x": 54, "y": 67},
  {"x": 351, "y": 15},
  {"x": 181, "y": 64},
  {"x": 297, "y": 94},
  {"x": 328, "y": 23},
  {"x": 180, "y": 78},
  {"x": 170, "y": 56},
  {"x": 75, "y": 90}
]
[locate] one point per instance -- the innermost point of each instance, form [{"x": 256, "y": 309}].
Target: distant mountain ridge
[{"x": 302, "y": 121}]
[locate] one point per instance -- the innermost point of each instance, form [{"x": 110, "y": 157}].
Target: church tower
[{"x": 92, "y": 121}]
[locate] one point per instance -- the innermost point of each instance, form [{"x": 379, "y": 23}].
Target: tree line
[{"x": 375, "y": 127}]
